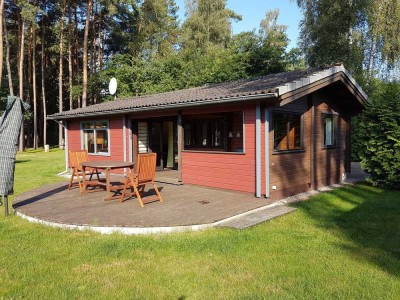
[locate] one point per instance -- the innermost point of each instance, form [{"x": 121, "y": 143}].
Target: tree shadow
[
  {"x": 31, "y": 199},
  {"x": 366, "y": 216}
]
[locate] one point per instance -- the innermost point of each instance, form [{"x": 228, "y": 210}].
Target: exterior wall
[
  {"x": 297, "y": 172},
  {"x": 329, "y": 163},
  {"x": 224, "y": 170},
  {"x": 116, "y": 142},
  {"x": 290, "y": 171}
]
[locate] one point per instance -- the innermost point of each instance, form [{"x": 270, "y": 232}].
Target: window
[
  {"x": 214, "y": 132},
  {"x": 287, "y": 132},
  {"x": 95, "y": 137},
  {"x": 330, "y": 121}
]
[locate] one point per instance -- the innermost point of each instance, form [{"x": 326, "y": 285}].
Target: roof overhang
[{"x": 177, "y": 106}]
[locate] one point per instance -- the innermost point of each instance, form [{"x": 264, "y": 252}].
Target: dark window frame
[
  {"x": 334, "y": 129},
  {"x": 289, "y": 114},
  {"x": 200, "y": 132}
]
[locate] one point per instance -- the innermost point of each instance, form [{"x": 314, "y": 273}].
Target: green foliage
[
  {"x": 207, "y": 23},
  {"x": 379, "y": 134}
]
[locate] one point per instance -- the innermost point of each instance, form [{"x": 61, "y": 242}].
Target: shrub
[{"x": 380, "y": 137}]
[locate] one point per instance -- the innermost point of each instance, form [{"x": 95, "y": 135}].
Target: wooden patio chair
[
  {"x": 76, "y": 158},
  {"x": 145, "y": 174}
]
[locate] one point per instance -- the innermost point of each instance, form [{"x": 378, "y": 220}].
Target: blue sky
[{"x": 253, "y": 11}]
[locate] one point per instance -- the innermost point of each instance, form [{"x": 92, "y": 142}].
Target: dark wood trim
[
  {"x": 312, "y": 146},
  {"x": 348, "y": 146},
  {"x": 180, "y": 144}
]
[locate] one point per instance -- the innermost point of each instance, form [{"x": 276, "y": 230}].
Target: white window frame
[{"x": 82, "y": 130}]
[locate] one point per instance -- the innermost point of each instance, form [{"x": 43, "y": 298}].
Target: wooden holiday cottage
[{"x": 273, "y": 136}]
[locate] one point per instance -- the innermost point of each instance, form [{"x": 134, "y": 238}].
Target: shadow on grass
[
  {"x": 22, "y": 161},
  {"x": 368, "y": 217}
]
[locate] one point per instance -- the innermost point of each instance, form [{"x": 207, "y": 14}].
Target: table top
[{"x": 108, "y": 164}]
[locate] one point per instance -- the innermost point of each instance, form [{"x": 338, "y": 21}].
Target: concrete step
[{"x": 257, "y": 217}]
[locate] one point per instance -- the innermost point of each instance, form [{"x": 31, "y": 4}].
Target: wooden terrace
[{"x": 183, "y": 206}]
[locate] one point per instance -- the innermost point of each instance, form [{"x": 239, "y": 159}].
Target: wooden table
[{"x": 107, "y": 166}]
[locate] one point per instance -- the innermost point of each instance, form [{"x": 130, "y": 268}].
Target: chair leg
[
  {"x": 72, "y": 178},
  {"x": 157, "y": 192},
  {"x": 79, "y": 181},
  {"x": 123, "y": 192},
  {"x": 138, "y": 195}
]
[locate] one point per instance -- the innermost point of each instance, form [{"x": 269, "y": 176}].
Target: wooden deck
[{"x": 183, "y": 205}]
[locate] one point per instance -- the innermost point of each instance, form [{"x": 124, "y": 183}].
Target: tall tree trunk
[
  {"x": 76, "y": 52},
  {"x": 9, "y": 75},
  {"x": 21, "y": 83},
  {"x": 85, "y": 53},
  {"x": 1, "y": 40},
  {"x": 43, "y": 85},
  {"x": 35, "y": 118},
  {"x": 60, "y": 77},
  {"x": 70, "y": 72}
]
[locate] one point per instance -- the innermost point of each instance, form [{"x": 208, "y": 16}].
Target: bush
[{"x": 380, "y": 137}]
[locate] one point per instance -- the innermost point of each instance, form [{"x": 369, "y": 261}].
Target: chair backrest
[
  {"x": 77, "y": 156},
  {"x": 146, "y": 167}
]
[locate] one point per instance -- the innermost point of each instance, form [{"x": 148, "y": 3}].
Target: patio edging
[{"x": 142, "y": 230}]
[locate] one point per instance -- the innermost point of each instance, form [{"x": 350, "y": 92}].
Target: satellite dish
[{"x": 112, "y": 86}]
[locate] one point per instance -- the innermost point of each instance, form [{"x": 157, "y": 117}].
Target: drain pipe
[
  {"x": 258, "y": 150},
  {"x": 267, "y": 125},
  {"x": 124, "y": 139},
  {"x": 64, "y": 125}
]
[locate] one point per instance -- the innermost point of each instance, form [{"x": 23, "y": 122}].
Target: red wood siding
[
  {"x": 224, "y": 170},
  {"x": 115, "y": 139}
]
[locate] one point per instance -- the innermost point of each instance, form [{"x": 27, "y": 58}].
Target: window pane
[
  {"x": 88, "y": 141},
  {"x": 235, "y": 132},
  {"x": 102, "y": 140},
  {"x": 328, "y": 132},
  {"x": 287, "y": 132},
  {"x": 294, "y": 132},
  {"x": 280, "y": 132}
]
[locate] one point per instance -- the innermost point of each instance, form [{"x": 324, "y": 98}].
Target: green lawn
[{"x": 343, "y": 244}]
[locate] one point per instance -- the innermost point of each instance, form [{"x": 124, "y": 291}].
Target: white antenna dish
[{"x": 112, "y": 86}]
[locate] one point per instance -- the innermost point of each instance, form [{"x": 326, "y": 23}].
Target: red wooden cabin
[{"x": 276, "y": 135}]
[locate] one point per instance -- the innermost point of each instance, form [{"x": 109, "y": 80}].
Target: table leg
[
  {"x": 108, "y": 195},
  {"x": 83, "y": 180}
]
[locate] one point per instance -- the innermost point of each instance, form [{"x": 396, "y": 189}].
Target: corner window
[
  {"x": 214, "y": 132},
  {"x": 330, "y": 121},
  {"x": 95, "y": 137},
  {"x": 287, "y": 132}
]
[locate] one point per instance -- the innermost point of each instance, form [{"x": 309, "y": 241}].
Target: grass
[{"x": 343, "y": 244}]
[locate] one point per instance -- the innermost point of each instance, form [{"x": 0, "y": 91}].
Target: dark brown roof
[{"x": 240, "y": 90}]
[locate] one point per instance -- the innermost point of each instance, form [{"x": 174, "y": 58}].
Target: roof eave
[{"x": 271, "y": 96}]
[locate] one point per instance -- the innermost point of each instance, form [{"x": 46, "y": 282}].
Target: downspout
[
  {"x": 66, "y": 145},
  {"x": 64, "y": 124},
  {"x": 124, "y": 138},
  {"x": 267, "y": 120},
  {"x": 130, "y": 141},
  {"x": 258, "y": 150}
]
